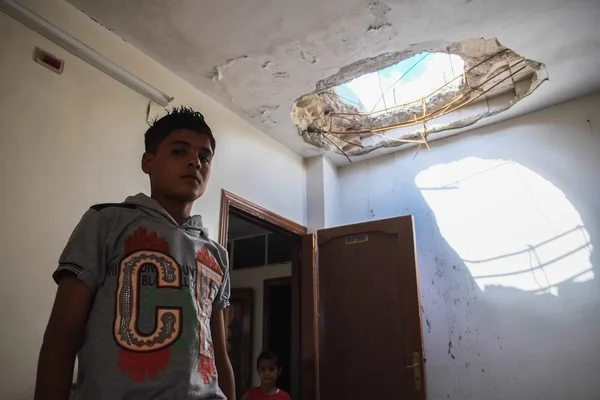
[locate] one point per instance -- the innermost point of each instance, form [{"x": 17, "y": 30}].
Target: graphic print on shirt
[
  {"x": 143, "y": 273},
  {"x": 210, "y": 276},
  {"x": 143, "y": 355}
]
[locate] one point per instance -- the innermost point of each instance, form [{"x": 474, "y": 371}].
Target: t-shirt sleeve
[
  {"x": 84, "y": 254},
  {"x": 221, "y": 300}
]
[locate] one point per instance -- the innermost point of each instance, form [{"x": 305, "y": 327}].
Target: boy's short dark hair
[
  {"x": 268, "y": 355},
  {"x": 176, "y": 118}
]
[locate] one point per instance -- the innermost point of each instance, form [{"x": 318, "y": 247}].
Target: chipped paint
[
  {"x": 217, "y": 72},
  {"x": 309, "y": 56}
]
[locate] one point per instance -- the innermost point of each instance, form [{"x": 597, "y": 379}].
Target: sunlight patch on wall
[{"x": 510, "y": 226}]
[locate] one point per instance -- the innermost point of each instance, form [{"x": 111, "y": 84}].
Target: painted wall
[
  {"x": 254, "y": 278},
  {"x": 72, "y": 140},
  {"x": 315, "y": 196},
  {"x": 331, "y": 193},
  {"x": 508, "y": 230},
  {"x": 322, "y": 193}
]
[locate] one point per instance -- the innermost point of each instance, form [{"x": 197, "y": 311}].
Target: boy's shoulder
[
  {"x": 104, "y": 206},
  {"x": 104, "y": 215},
  {"x": 105, "y": 212}
]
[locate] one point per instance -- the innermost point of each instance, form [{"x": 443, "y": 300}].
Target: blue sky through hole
[{"x": 406, "y": 81}]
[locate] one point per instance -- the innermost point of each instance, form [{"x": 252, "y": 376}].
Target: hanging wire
[
  {"x": 326, "y": 136},
  {"x": 342, "y": 97},
  {"x": 446, "y": 109},
  {"x": 429, "y": 95},
  {"x": 394, "y": 84},
  {"x": 461, "y": 101},
  {"x": 381, "y": 90},
  {"x": 451, "y": 63}
]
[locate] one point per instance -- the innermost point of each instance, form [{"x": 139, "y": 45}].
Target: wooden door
[
  {"x": 370, "y": 340},
  {"x": 238, "y": 329}
]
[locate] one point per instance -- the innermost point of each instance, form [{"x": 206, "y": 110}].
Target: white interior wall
[
  {"x": 72, "y": 140},
  {"x": 331, "y": 193},
  {"x": 315, "y": 197},
  {"x": 507, "y": 222},
  {"x": 322, "y": 192},
  {"x": 254, "y": 278}
]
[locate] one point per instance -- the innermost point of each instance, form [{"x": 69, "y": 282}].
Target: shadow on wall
[{"x": 508, "y": 236}]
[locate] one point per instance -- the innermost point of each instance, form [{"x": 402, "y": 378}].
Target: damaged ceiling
[
  {"x": 257, "y": 58},
  {"x": 489, "y": 73}
]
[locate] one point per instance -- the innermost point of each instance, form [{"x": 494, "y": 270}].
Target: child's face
[
  {"x": 180, "y": 169},
  {"x": 268, "y": 372}
]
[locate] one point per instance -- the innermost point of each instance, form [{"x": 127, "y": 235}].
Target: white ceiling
[{"x": 257, "y": 57}]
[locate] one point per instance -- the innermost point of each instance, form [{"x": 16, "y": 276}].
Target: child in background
[{"x": 269, "y": 368}]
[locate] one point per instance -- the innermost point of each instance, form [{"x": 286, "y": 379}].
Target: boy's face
[
  {"x": 180, "y": 169},
  {"x": 268, "y": 372}
]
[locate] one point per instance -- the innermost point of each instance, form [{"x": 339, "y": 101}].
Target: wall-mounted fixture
[
  {"x": 40, "y": 25},
  {"x": 48, "y": 60}
]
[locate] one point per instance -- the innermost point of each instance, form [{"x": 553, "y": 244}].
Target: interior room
[{"x": 435, "y": 165}]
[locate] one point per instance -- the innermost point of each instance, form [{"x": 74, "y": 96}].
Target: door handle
[{"x": 416, "y": 366}]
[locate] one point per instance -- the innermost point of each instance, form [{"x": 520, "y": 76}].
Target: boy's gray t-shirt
[{"x": 155, "y": 285}]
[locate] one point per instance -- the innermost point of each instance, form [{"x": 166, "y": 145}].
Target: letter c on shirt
[{"x": 168, "y": 323}]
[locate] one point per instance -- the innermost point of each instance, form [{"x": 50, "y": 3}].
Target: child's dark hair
[
  {"x": 176, "y": 118},
  {"x": 268, "y": 355}
]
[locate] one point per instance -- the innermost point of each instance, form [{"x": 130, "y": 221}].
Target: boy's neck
[{"x": 178, "y": 210}]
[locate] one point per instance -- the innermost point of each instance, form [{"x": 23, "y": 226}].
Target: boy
[{"x": 141, "y": 287}]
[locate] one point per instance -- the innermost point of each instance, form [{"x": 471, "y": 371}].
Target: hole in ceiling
[
  {"x": 414, "y": 77},
  {"x": 404, "y": 97}
]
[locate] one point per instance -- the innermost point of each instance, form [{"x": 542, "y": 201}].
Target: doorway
[
  {"x": 380, "y": 322},
  {"x": 277, "y": 324},
  {"x": 263, "y": 245}
]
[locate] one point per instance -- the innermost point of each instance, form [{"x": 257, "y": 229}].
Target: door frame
[
  {"x": 231, "y": 201},
  {"x": 300, "y": 292},
  {"x": 246, "y": 296}
]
